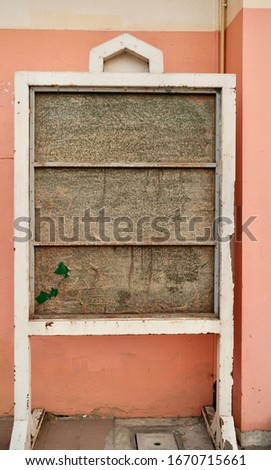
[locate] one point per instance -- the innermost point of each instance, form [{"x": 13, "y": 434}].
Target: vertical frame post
[
  {"x": 21, "y": 435},
  {"x": 220, "y": 423},
  {"x": 226, "y": 437}
]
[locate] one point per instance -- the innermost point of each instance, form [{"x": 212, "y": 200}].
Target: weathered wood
[
  {"x": 126, "y": 280},
  {"x": 117, "y": 127},
  {"x": 63, "y": 194}
]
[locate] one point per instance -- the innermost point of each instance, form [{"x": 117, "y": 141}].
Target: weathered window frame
[{"x": 222, "y": 326}]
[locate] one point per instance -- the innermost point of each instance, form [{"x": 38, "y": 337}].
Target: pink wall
[
  {"x": 248, "y": 54},
  {"x": 256, "y": 324},
  {"x": 155, "y": 376},
  {"x": 123, "y": 376}
]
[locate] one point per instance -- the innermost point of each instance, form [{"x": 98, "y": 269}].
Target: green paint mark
[
  {"x": 44, "y": 296},
  {"x": 54, "y": 292},
  {"x": 168, "y": 90},
  {"x": 62, "y": 270}
]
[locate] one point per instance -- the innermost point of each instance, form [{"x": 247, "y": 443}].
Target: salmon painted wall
[
  {"x": 150, "y": 376},
  {"x": 120, "y": 376},
  {"x": 248, "y": 42},
  {"x": 256, "y": 321}
]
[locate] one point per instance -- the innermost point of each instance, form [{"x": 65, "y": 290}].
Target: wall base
[{"x": 253, "y": 438}]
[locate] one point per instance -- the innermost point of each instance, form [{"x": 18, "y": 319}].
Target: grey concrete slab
[
  {"x": 73, "y": 433},
  {"x": 156, "y": 441},
  {"x": 192, "y": 431}
]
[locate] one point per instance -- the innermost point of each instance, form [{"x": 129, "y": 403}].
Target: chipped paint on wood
[{"x": 127, "y": 325}]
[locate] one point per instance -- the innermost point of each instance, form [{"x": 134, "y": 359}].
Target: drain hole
[{"x": 157, "y": 443}]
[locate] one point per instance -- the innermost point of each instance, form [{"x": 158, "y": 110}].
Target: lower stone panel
[{"x": 125, "y": 280}]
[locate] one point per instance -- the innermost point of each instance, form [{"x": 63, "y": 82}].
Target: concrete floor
[
  {"x": 192, "y": 432},
  {"x": 75, "y": 433},
  {"x": 95, "y": 433}
]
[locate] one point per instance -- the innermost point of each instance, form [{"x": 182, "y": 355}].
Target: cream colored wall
[
  {"x": 120, "y": 15},
  {"x": 234, "y": 6},
  {"x": 257, "y": 3},
  {"x": 126, "y": 63}
]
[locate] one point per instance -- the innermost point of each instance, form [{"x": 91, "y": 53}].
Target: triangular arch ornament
[{"x": 126, "y": 43}]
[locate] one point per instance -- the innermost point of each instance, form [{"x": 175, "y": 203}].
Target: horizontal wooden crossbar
[{"x": 124, "y": 326}]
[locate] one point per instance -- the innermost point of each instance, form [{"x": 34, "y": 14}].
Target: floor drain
[{"x": 158, "y": 440}]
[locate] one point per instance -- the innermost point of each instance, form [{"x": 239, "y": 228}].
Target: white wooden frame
[{"x": 220, "y": 424}]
